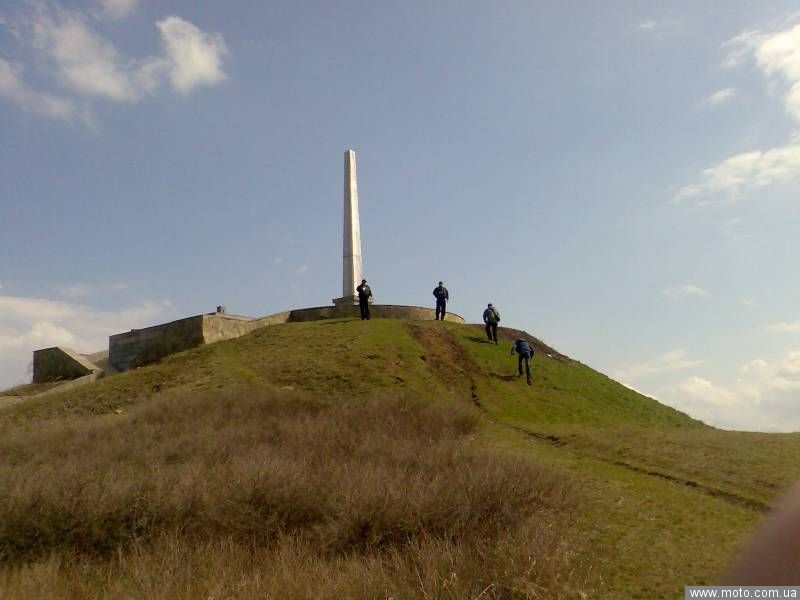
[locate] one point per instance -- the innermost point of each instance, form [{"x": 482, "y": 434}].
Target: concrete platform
[{"x": 376, "y": 311}]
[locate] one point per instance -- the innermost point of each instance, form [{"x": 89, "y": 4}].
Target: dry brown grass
[
  {"x": 250, "y": 492},
  {"x": 517, "y": 566}
]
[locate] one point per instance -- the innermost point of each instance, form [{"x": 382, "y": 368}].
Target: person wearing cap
[
  {"x": 442, "y": 296},
  {"x": 524, "y": 352},
  {"x": 491, "y": 316},
  {"x": 364, "y": 294}
]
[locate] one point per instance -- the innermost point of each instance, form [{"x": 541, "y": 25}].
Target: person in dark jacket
[
  {"x": 524, "y": 352},
  {"x": 442, "y": 296},
  {"x": 491, "y": 316},
  {"x": 364, "y": 294}
]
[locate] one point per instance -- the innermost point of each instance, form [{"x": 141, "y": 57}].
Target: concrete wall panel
[
  {"x": 168, "y": 338},
  {"x": 218, "y": 327},
  {"x": 55, "y": 364}
]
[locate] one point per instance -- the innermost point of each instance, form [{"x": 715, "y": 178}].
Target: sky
[{"x": 620, "y": 178}]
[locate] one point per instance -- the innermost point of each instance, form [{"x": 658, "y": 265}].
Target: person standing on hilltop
[
  {"x": 491, "y": 316},
  {"x": 524, "y": 352},
  {"x": 364, "y": 294},
  {"x": 442, "y": 296}
]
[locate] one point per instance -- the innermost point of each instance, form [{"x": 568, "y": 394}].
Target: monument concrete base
[
  {"x": 377, "y": 311},
  {"x": 345, "y": 301}
]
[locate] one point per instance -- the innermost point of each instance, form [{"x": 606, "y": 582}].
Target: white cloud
[
  {"x": 749, "y": 170},
  {"x": 685, "y": 291},
  {"x": 716, "y": 405},
  {"x": 14, "y": 89},
  {"x": 762, "y": 398},
  {"x": 33, "y": 309},
  {"x": 40, "y": 334},
  {"x": 302, "y": 269},
  {"x": 739, "y": 48},
  {"x": 193, "y": 57},
  {"x": 82, "y": 290},
  {"x": 657, "y": 27},
  {"x": 29, "y": 323},
  {"x": 87, "y": 64},
  {"x": 73, "y": 291},
  {"x": 785, "y": 327},
  {"x": 720, "y": 97},
  {"x": 698, "y": 388},
  {"x": 749, "y": 302},
  {"x": 675, "y": 360},
  {"x": 732, "y": 229},
  {"x": 117, "y": 9},
  {"x": 777, "y": 55}
]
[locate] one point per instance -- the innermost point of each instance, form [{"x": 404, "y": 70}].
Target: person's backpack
[
  {"x": 524, "y": 346},
  {"x": 496, "y": 315}
]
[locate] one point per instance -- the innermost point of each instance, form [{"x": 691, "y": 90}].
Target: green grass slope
[
  {"x": 597, "y": 490},
  {"x": 362, "y": 358}
]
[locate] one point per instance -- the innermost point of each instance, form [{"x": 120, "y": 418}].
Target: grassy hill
[{"x": 372, "y": 459}]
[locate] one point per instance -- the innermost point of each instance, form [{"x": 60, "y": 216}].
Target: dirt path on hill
[
  {"x": 454, "y": 365},
  {"x": 446, "y": 357}
]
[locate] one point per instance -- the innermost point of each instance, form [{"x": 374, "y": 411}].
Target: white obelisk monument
[{"x": 352, "y": 267}]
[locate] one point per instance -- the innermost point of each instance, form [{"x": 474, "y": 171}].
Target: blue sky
[{"x": 619, "y": 178}]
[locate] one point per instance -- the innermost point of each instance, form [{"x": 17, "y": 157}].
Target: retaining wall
[
  {"x": 218, "y": 327},
  {"x": 54, "y": 364},
  {"x": 124, "y": 348}
]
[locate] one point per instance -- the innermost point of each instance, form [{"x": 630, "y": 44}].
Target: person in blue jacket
[
  {"x": 442, "y": 296},
  {"x": 524, "y": 352}
]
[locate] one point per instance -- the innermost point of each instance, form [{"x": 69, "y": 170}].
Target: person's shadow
[
  {"x": 503, "y": 377},
  {"x": 479, "y": 340}
]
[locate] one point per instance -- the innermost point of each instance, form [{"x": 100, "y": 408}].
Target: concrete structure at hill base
[
  {"x": 139, "y": 347},
  {"x": 54, "y": 364}
]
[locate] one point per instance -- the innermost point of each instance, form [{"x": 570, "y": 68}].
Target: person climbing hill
[
  {"x": 524, "y": 352},
  {"x": 491, "y": 316}
]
